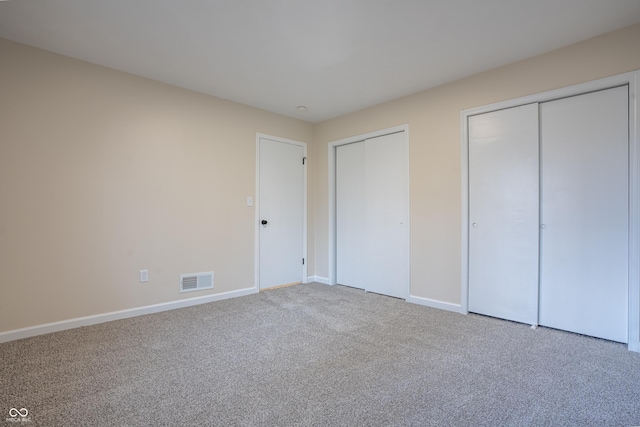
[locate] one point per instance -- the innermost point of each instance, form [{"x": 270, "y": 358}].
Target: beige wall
[
  {"x": 434, "y": 131},
  {"x": 103, "y": 174}
]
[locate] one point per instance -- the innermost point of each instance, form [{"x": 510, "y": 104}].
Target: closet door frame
[
  {"x": 631, "y": 79},
  {"x": 332, "y": 262}
]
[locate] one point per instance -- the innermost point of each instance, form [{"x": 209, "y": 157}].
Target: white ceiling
[{"x": 334, "y": 56}]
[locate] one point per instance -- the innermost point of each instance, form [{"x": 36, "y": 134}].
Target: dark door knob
[{"x": 264, "y": 222}]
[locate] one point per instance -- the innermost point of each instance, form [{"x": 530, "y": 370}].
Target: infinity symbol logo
[{"x": 13, "y": 412}]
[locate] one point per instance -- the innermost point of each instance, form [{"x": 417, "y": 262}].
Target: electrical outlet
[{"x": 144, "y": 276}]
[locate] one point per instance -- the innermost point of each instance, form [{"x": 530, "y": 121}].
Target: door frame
[
  {"x": 257, "y": 207},
  {"x": 632, "y": 79},
  {"x": 332, "y": 280}
]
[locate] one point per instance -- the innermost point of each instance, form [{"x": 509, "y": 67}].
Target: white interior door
[
  {"x": 372, "y": 240},
  {"x": 351, "y": 260},
  {"x": 281, "y": 205},
  {"x": 503, "y": 213},
  {"x": 584, "y": 241},
  {"x": 387, "y": 240}
]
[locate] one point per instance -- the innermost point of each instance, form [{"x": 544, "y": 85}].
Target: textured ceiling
[{"x": 334, "y": 56}]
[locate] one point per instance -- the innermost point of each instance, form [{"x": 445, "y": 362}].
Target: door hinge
[
  {"x": 302, "y": 261},
  {"x": 304, "y": 159}
]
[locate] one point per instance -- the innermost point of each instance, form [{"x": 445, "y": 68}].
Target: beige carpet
[{"x": 322, "y": 356}]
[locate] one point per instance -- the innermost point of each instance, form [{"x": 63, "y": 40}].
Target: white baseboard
[
  {"x": 318, "y": 279},
  {"x": 46, "y": 328},
  {"x": 436, "y": 304}
]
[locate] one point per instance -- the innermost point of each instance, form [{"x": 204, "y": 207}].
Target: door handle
[{"x": 264, "y": 222}]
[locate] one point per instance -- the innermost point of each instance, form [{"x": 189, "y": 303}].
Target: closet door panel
[
  {"x": 504, "y": 213},
  {"x": 387, "y": 215},
  {"x": 584, "y": 240},
  {"x": 351, "y": 249}
]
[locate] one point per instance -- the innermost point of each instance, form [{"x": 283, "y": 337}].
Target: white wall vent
[{"x": 196, "y": 281}]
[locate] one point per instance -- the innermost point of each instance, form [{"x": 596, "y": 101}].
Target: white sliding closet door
[
  {"x": 386, "y": 215},
  {"x": 372, "y": 240},
  {"x": 351, "y": 262},
  {"x": 584, "y": 212},
  {"x": 503, "y": 213}
]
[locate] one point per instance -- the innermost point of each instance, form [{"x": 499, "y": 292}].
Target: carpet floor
[{"x": 317, "y": 355}]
